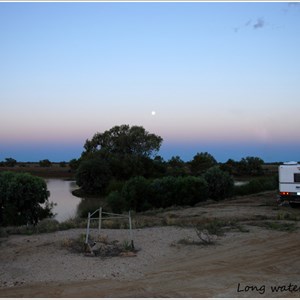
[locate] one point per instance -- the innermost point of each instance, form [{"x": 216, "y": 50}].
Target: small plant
[
  {"x": 47, "y": 225},
  {"x": 281, "y": 226},
  {"x": 75, "y": 245},
  {"x": 127, "y": 246},
  {"x": 215, "y": 227}
]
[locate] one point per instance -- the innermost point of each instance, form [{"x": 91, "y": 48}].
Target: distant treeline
[{"x": 122, "y": 164}]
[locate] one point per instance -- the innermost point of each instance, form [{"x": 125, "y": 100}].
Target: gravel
[{"x": 44, "y": 258}]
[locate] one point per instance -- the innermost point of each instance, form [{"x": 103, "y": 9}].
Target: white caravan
[{"x": 289, "y": 182}]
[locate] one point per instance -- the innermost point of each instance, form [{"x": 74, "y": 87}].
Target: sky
[{"x": 221, "y": 77}]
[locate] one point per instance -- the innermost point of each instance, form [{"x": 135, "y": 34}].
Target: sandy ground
[{"x": 239, "y": 264}]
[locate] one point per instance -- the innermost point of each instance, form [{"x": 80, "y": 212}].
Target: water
[
  {"x": 61, "y": 194},
  {"x": 240, "y": 183}
]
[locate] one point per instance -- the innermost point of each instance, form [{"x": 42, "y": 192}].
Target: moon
[{"x": 153, "y": 113}]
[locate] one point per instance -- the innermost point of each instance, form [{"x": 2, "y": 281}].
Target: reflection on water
[{"x": 61, "y": 194}]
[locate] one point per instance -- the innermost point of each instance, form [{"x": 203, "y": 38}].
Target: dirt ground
[{"x": 250, "y": 260}]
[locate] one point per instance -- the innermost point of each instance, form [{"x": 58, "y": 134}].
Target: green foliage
[
  {"x": 123, "y": 140},
  {"x": 162, "y": 191},
  {"x": 135, "y": 192},
  {"x": 127, "y": 152},
  {"x": 220, "y": 183},
  {"x": 46, "y": 163},
  {"x": 93, "y": 175},
  {"x": 170, "y": 191},
  {"x": 140, "y": 194},
  {"x": 114, "y": 185},
  {"x": 191, "y": 190},
  {"x": 116, "y": 202},
  {"x": 87, "y": 205},
  {"x": 249, "y": 166},
  {"x": 280, "y": 226},
  {"x": 74, "y": 164},
  {"x": 176, "y": 167},
  {"x": 127, "y": 246},
  {"x": 202, "y": 162},
  {"x": 213, "y": 227},
  {"x": 21, "y": 196},
  {"x": 47, "y": 225},
  {"x": 256, "y": 186}
]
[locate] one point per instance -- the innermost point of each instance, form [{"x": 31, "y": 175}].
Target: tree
[
  {"x": 21, "y": 197},
  {"x": 202, "y": 162},
  {"x": 74, "y": 164},
  {"x": 229, "y": 166},
  {"x": 127, "y": 152},
  {"x": 10, "y": 162},
  {"x": 176, "y": 166},
  {"x": 45, "y": 163},
  {"x": 124, "y": 140},
  {"x": 250, "y": 166}
]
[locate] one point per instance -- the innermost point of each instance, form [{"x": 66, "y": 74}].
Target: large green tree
[
  {"x": 121, "y": 153},
  {"x": 124, "y": 140}
]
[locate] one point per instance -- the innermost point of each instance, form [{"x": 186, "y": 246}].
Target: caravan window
[{"x": 296, "y": 177}]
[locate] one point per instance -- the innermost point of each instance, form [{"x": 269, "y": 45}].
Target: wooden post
[
  {"x": 100, "y": 220},
  {"x": 88, "y": 229},
  {"x": 130, "y": 230}
]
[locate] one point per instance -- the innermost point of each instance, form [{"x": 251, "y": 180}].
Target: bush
[
  {"x": 21, "y": 196},
  {"x": 256, "y": 186},
  {"x": 140, "y": 194},
  {"x": 93, "y": 175},
  {"x": 114, "y": 186},
  {"x": 116, "y": 202},
  {"x": 87, "y": 205},
  {"x": 220, "y": 183},
  {"x": 190, "y": 190},
  {"x": 163, "y": 191},
  {"x": 47, "y": 225},
  {"x": 135, "y": 194}
]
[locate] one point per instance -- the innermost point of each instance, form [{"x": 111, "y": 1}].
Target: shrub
[
  {"x": 116, "y": 202},
  {"x": 256, "y": 186},
  {"x": 47, "y": 225},
  {"x": 21, "y": 196},
  {"x": 140, "y": 194},
  {"x": 114, "y": 185},
  {"x": 93, "y": 175},
  {"x": 135, "y": 193},
  {"x": 163, "y": 191},
  {"x": 190, "y": 190},
  {"x": 220, "y": 183},
  {"x": 87, "y": 205}
]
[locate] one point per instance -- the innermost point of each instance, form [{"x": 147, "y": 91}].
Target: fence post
[
  {"x": 100, "y": 220},
  {"x": 88, "y": 229},
  {"x": 130, "y": 230}
]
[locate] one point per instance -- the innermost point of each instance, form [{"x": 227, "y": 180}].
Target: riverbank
[
  {"x": 40, "y": 267},
  {"x": 170, "y": 260},
  {"x": 54, "y": 171}
]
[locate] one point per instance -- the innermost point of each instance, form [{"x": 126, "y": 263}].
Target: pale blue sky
[{"x": 222, "y": 77}]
